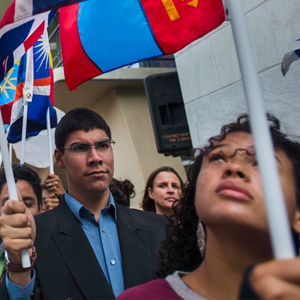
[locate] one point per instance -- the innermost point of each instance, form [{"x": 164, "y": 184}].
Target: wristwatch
[{"x": 11, "y": 267}]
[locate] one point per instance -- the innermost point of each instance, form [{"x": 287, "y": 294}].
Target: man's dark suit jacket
[{"x": 67, "y": 267}]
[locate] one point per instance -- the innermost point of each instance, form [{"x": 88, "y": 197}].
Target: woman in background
[{"x": 163, "y": 188}]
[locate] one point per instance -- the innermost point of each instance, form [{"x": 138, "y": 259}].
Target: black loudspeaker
[{"x": 168, "y": 116}]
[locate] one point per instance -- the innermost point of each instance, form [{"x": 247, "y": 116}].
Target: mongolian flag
[
  {"x": 42, "y": 90},
  {"x": 98, "y": 36},
  {"x": 22, "y": 24}
]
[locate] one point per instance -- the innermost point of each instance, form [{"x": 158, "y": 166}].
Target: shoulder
[
  {"x": 46, "y": 216},
  {"x": 143, "y": 217},
  {"x": 52, "y": 216},
  {"x": 155, "y": 289}
]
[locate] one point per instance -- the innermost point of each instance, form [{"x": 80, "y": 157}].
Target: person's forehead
[
  {"x": 90, "y": 136},
  {"x": 166, "y": 176},
  {"x": 25, "y": 187},
  {"x": 236, "y": 140}
]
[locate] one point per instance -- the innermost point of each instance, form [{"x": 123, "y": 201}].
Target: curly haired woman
[{"x": 224, "y": 194}]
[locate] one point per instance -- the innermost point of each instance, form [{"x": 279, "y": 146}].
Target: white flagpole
[
  {"x": 49, "y": 143},
  {"x": 24, "y": 128},
  {"x": 11, "y": 182},
  {"x": 277, "y": 216},
  {"x": 10, "y": 152},
  {"x": 27, "y": 97}
]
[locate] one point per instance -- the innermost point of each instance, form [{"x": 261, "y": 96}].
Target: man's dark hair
[
  {"x": 78, "y": 119},
  {"x": 148, "y": 204},
  {"x": 180, "y": 250},
  {"x": 22, "y": 172}
]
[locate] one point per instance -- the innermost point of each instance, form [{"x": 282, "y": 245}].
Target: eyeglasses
[{"x": 101, "y": 146}]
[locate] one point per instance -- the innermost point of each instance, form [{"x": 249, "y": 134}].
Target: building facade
[{"x": 210, "y": 78}]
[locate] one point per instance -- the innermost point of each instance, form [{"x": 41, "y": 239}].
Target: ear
[
  {"x": 150, "y": 193},
  {"x": 59, "y": 158},
  {"x": 296, "y": 222}
]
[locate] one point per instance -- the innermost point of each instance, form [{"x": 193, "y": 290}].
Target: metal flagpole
[
  {"x": 49, "y": 142},
  {"x": 27, "y": 97},
  {"x": 11, "y": 182},
  {"x": 277, "y": 216}
]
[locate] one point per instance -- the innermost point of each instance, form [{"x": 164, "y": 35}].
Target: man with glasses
[{"x": 88, "y": 247}]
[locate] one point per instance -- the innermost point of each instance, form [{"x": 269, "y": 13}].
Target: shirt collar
[{"x": 76, "y": 206}]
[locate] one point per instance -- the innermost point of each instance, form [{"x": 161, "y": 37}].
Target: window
[
  {"x": 54, "y": 40},
  {"x": 166, "y": 61}
]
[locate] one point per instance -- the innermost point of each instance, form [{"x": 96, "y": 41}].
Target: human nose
[
  {"x": 235, "y": 169},
  {"x": 95, "y": 156},
  {"x": 170, "y": 189}
]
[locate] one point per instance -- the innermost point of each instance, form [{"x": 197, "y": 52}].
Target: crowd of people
[{"x": 206, "y": 239}]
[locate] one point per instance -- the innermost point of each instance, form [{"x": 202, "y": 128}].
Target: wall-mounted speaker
[{"x": 168, "y": 116}]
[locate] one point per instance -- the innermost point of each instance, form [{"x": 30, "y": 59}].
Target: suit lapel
[
  {"x": 135, "y": 249},
  {"x": 79, "y": 256}
]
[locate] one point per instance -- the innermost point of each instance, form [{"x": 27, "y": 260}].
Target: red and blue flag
[{"x": 99, "y": 36}]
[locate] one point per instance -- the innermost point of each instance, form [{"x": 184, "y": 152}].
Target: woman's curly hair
[
  {"x": 179, "y": 251},
  {"x": 122, "y": 191}
]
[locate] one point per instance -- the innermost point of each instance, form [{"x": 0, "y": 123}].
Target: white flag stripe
[
  {"x": 23, "y": 8},
  {"x": 28, "y": 84},
  {"x": 41, "y": 90},
  {"x": 38, "y": 19}
]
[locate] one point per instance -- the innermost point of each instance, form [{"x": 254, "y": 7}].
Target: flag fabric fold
[
  {"x": 41, "y": 98},
  {"x": 99, "y": 36},
  {"x": 36, "y": 147},
  {"x": 22, "y": 24},
  {"x": 292, "y": 55}
]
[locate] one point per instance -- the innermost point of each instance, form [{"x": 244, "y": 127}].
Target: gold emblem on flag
[
  {"x": 7, "y": 83},
  {"x": 172, "y": 10}
]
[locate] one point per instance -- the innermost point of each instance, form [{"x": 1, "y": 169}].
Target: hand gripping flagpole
[
  {"x": 11, "y": 182},
  {"x": 277, "y": 216}
]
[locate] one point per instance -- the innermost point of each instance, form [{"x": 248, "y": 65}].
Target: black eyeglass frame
[{"x": 90, "y": 146}]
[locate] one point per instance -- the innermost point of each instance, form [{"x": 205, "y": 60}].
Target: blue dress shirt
[{"x": 103, "y": 237}]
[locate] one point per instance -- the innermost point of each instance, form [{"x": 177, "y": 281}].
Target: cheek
[
  {"x": 289, "y": 193},
  {"x": 203, "y": 192},
  {"x": 158, "y": 194},
  {"x": 34, "y": 210}
]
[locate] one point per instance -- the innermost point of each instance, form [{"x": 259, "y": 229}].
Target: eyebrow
[
  {"x": 278, "y": 159},
  {"x": 227, "y": 145},
  {"x": 86, "y": 143},
  {"x": 217, "y": 146},
  {"x": 251, "y": 147}
]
